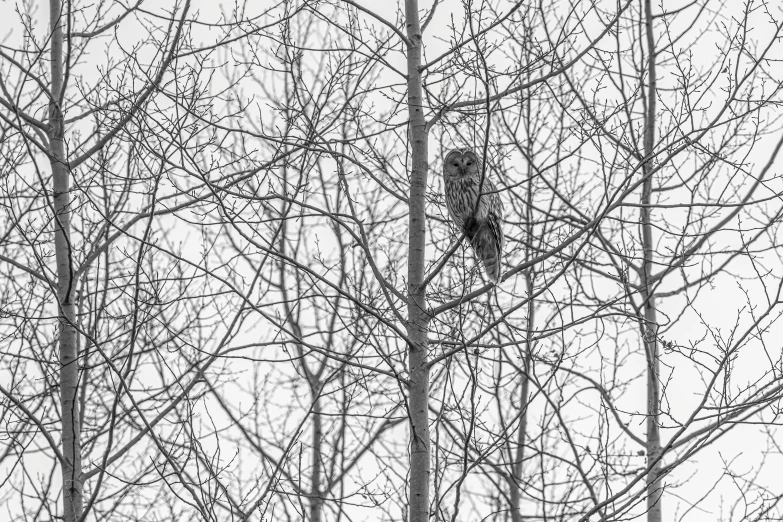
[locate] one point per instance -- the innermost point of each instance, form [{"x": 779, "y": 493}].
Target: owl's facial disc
[
  {"x": 460, "y": 161},
  {"x": 454, "y": 159}
]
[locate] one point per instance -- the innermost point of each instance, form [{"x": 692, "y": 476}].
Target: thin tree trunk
[
  {"x": 316, "y": 500},
  {"x": 519, "y": 456},
  {"x": 515, "y": 496},
  {"x": 417, "y": 310},
  {"x": 650, "y": 324},
  {"x": 68, "y": 336}
]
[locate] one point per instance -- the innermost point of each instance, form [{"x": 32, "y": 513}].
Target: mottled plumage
[{"x": 480, "y": 219}]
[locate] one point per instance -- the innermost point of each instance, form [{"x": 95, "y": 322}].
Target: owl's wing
[
  {"x": 490, "y": 204},
  {"x": 496, "y": 205},
  {"x": 494, "y": 212},
  {"x": 495, "y": 225},
  {"x": 487, "y": 242}
]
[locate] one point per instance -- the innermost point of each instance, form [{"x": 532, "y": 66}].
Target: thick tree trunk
[
  {"x": 417, "y": 310},
  {"x": 650, "y": 323},
  {"x": 68, "y": 336}
]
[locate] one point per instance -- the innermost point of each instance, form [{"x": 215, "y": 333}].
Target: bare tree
[
  {"x": 262, "y": 311},
  {"x": 91, "y": 214}
]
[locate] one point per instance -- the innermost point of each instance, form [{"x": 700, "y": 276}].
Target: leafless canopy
[{"x": 230, "y": 290}]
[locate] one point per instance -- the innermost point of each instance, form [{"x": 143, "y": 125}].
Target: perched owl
[{"x": 480, "y": 219}]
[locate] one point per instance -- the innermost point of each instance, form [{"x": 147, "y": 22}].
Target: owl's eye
[
  {"x": 470, "y": 163},
  {"x": 455, "y": 164}
]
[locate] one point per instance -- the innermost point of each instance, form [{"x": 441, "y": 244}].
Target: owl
[{"x": 480, "y": 219}]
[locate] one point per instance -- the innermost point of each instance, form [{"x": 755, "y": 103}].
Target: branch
[
  {"x": 29, "y": 270},
  {"x": 36, "y": 421},
  {"x": 18, "y": 111},
  {"x": 107, "y": 26},
  {"x": 430, "y": 15},
  {"x": 141, "y": 99},
  {"x": 381, "y": 20},
  {"x": 532, "y": 83},
  {"x": 472, "y": 38},
  {"x": 719, "y": 226},
  {"x": 442, "y": 263}
]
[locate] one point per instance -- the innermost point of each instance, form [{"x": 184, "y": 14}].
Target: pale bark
[
  {"x": 650, "y": 319},
  {"x": 68, "y": 335},
  {"x": 418, "y": 318}
]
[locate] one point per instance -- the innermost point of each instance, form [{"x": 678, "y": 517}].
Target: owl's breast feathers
[{"x": 461, "y": 196}]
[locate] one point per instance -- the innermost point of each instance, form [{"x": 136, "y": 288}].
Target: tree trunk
[
  {"x": 417, "y": 309},
  {"x": 68, "y": 336},
  {"x": 650, "y": 320},
  {"x": 316, "y": 500},
  {"x": 515, "y": 494}
]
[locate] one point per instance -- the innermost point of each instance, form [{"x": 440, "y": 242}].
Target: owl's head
[{"x": 460, "y": 162}]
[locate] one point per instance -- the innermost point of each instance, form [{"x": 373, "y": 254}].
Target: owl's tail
[{"x": 486, "y": 238}]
